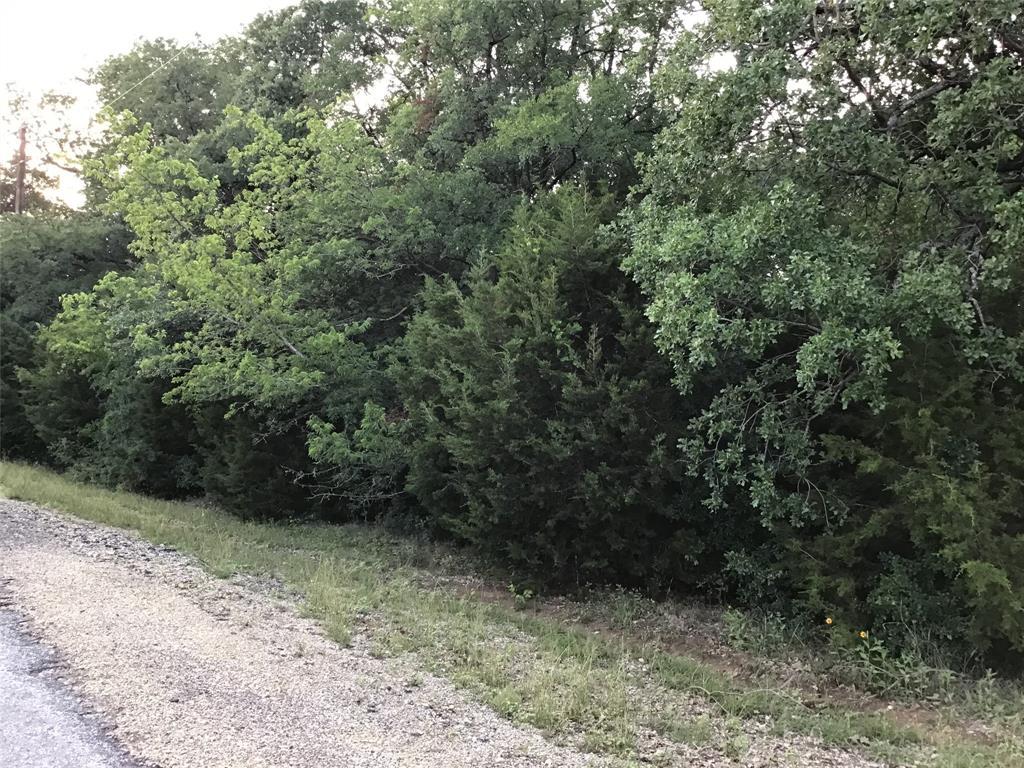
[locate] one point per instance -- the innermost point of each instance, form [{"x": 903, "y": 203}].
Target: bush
[
  {"x": 96, "y": 413},
  {"x": 250, "y": 465},
  {"x": 44, "y": 257},
  {"x": 544, "y": 420}
]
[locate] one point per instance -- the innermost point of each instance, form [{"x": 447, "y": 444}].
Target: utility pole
[{"x": 19, "y": 181}]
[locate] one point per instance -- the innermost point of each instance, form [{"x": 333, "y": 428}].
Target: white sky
[{"x": 48, "y": 43}]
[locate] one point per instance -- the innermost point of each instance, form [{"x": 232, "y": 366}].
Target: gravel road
[{"x": 193, "y": 672}]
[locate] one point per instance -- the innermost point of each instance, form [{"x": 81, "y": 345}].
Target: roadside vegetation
[
  {"x": 713, "y": 301},
  {"x": 603, "y": 669}
]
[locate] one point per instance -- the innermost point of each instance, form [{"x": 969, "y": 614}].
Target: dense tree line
[{"x": 720, "y": 300}]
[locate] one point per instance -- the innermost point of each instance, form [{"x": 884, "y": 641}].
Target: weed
[
  {"x": 869, "y": 664},
  {"x": 414, "y": 681},
  {"x": 522, "y": 596},
  {"x": 763, "y": 633},
  {"x": 697, "y": 731}
]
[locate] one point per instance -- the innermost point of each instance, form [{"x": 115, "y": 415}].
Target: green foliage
[
  {"x": 179, "y": 90},
  {"x": 521, "y": 596},
  {"x": 366, "y": 468},
  {"x": 43, "y": 258},
  {"x": 763, "y": 633},
  {"x": 827, "y": 233},
  {"x": 89, "y": 404},
  {"x": 249, "y": 465},
  {"x": 376, "y": 269},
  {"x": 869, "y": 664},
  {"x": 305, "y": 55},
  {"x": 541, "y": 415}
]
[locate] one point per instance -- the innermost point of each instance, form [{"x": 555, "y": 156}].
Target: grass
[{"x": 607, "y": 691}]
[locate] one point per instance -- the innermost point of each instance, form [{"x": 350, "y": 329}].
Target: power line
[
  {"x": 114, "y": 101},
  {"x": 19, "y": 179}
]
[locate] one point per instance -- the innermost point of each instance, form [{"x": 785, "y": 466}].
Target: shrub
[{"x": 544, "y": 419}]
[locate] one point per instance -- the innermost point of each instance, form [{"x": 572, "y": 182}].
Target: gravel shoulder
[{"x": 193, "y": 672}]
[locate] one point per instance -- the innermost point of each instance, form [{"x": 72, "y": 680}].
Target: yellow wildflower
[
  {"x": 828, "y": 620},
  {"x": 863, "y": 634}
]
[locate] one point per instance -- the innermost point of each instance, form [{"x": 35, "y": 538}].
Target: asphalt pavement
[{"x": 41, "y": 723}]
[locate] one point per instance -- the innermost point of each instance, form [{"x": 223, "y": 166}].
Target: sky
[{"x": 49, "y": 43}]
